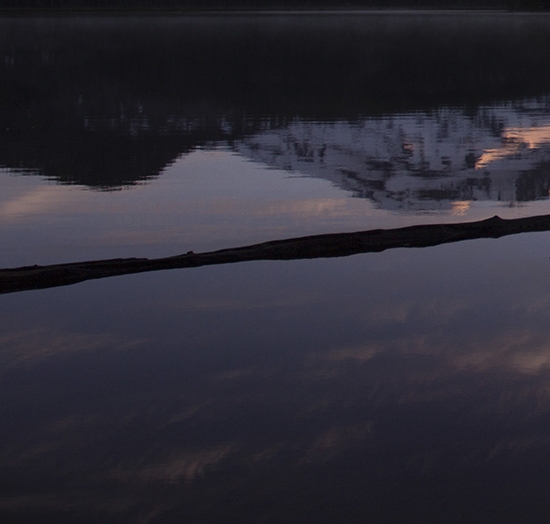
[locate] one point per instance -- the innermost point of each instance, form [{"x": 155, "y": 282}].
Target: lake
[{"x": 410, "y": 385}]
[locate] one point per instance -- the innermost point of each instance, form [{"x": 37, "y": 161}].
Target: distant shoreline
[{"x": 52, "y": 11}]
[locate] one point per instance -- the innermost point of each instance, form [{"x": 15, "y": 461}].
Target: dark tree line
[
  {"x": 111, "y": 103},
  {"x": 194, "y": 5}
]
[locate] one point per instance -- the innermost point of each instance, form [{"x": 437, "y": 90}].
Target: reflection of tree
[
  {"x": 411, "y": 160},
  {"x": 107, "y": 102},
  {"x": 318, "y": 246},
  {"x": 527, "y": 5},
  {"x": 534, "y": 184},
  {"x": 256, "y": 4}
]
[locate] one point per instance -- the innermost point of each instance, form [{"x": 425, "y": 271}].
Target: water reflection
[
  {"x": 250, "y": 391},
  {"x": 109, "y": 102},
  {"x": 514, "y": 140},
  {"x": 421, "y": 161},
  {"x": 406, "y": 386}
]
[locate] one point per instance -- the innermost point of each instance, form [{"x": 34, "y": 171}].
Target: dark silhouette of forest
[
  {"x": 199, "y": 5},
  {"x": 111, "y": 103}
]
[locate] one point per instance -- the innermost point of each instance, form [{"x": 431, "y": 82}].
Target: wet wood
[{"x": 317, "y": 246}]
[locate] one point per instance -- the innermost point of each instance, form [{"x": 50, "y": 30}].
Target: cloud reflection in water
[{"x": 366, "y": 389}]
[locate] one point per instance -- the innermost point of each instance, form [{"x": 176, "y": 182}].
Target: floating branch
[{"x": 317, "y": 246}]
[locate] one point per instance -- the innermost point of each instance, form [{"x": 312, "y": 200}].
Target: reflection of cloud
[
  {"x": 460, "y": 207},
  {"x": 532, "y": 362},
  {"x": 34, "y": 202},
  {"x": 523, "y": 352},
  {"x": 519, "y": 351},
  {"x": 264, "y": 207},
  {"x": 31, "y": 346},
  {"x": 58, "y": 501},
  {"x": 515, "y": 139},
  {"x": 247, "y": 303},
  {"x": 493, "y": 155},
  {"x": 362, "y": 353},
  {"x": 533, "y": 137},
  {"x": 54, "y": 437},
  {"x": 517, "y": 446},
  {"x": 336, "y": 440},
  {"x": 184, "y": 464},
  {"x": 305, "y": 208},
  {"x": 139, "y": 501},
  {"x": 457, "y": 346}
]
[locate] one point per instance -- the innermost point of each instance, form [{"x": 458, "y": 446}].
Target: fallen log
[{"x": 316, "y": 246}]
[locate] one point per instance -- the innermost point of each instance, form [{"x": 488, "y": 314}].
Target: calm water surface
[{"x": 410, "y": 385}]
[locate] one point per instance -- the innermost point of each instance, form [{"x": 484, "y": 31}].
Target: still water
[{"x": 411, "y": 385}]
